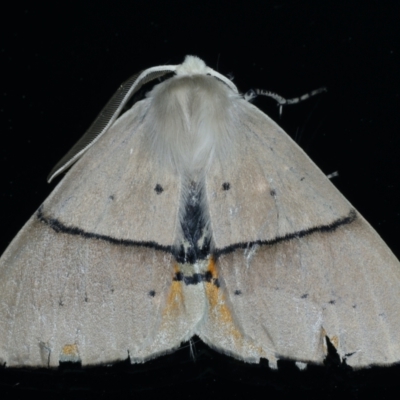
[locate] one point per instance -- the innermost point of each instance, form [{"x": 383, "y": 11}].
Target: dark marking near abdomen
[
  {"x": 193, "y": 222},
  {"x": 196, "y": 278}
]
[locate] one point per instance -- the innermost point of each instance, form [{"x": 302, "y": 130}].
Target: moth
[{"x": 193, "y": 213}]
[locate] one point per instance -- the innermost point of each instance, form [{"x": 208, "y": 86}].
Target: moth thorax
[{"x": 190, "y": 121}]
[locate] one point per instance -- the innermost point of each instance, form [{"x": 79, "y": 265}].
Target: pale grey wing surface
[
  {"x": 295, "y": 261},
  {"x": 69, "y": 298},
  {"x": 284, "y": 298},
  {"x": 118, "y": 190},
  {"x": 267, "y": 187},
  {"x": 90, "y": 277}
]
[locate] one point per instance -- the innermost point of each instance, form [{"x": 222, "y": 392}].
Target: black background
[{"x": 61, "y": 61}]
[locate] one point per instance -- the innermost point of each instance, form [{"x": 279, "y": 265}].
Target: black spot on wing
[{"x": 158, "y": 189}]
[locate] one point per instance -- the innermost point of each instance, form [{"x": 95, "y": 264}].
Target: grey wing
[
  {"x": 118, "y": 189},
  {"x": 89, "y": 278},
  {"x": 69, "y": 298},
  {"x": 302, "y": 265},
  {"x": 283, "y": 299},
  {"x": 266, "y": 187}
]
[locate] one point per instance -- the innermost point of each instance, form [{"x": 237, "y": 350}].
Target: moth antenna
[{"x": 253, "y": 93}]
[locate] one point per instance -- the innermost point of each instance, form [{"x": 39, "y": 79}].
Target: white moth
[{"x": 195, "y": 214}]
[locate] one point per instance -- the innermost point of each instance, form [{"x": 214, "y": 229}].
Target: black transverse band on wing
[
  {"x": 351, "y": 217},
  {"x": 58, "y": 226}
]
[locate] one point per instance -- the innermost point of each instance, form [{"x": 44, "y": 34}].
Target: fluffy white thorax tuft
[{"x": 192, "y": 65}]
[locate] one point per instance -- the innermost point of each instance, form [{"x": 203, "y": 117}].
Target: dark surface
[{"x": 62, "y": 61}]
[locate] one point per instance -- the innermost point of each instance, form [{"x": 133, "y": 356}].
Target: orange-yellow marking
[
  {"x": 335, "y": 341},
  {"x": 223, "y": 316},
  {"x": 175, "y": 297},
  {"x": 219, "y": 309},
  {"x": 70, "y": 350}
]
